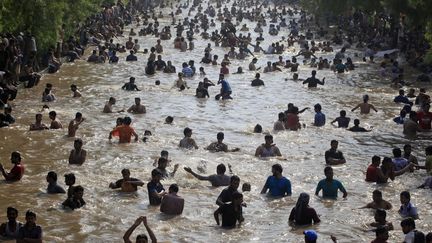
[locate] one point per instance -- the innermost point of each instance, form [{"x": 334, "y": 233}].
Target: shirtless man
[
  {"x": 218, "y": 179},
  {"x": 77, "y": 155},
  {"x": 109, "y": 104},
  {"x": 127, "y": 184},
  {"x": 267, "y": 149},
  {"x": 124, "y": 132},
  {"x": 55, "y": 124},
  {"x": 188, "y": 142},
  {"x": 137, "y": 108},
  {"x": 38, "y": 125},
  {"x": 75, "y": 92},
  {"x": 219, "y": 146},
  {"x": 365, "y": 107},
  {"x": 378, "y": 202},
  {"x": 74, "y": 124},
  {"x": 172, "y": 204}
]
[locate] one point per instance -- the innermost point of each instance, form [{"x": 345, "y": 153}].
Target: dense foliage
[
  {"x": 417, "y": 12},
  {"x": 44, "y": 18}
]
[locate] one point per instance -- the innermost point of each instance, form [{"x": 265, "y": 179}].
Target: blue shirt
[
  {"x": 187, "y": 71},
  {"x": 400, "y": 163},
  {"x": 320, "y": 119},
  {"x": 402, "y": 99},
  {"x": 225, "y": 86},
  {"x": 330, "y": 190},
  {"x": 408, "y": 211},
  {"x": 278, "y": 187}
]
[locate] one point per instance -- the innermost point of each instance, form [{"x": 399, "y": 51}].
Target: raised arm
[
  {"x": 149, "y": 231},
  {"x": 126, "y": 236},
  {"x": 199, "y": 177}
]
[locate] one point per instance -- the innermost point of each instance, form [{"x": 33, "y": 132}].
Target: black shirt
[
  {"x": 230, "y": 215},
  {"x": 257, "y": 82},
  {"x": 226, "y": 194}
]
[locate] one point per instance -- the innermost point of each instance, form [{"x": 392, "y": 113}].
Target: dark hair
[
  {"x": 30, "y": 214},
  {"x": 408, "y": 222},
  {"x": 342, "y": 113},
  {"x": 187, "y": 130},
  {"x": 70, "y": 177},
  {"x": 234, "y": 178},
  {"x": 52, "y": 113},
  {"x": 127, "y": 120},
  {"x": 406, "y": 194},
  {"x": 52, "y": 175},
  {"x": 268, "y": 136},
  {"x": 221, "y": 169},
  {"x": 397, "y": 152},
  {"x": 17, "y": 155},
  {"x": 174, "y": 188},
  {"x": 155, "y": 172},
  {"x": 125, "y": 171},
  {"x": 220, "y": 135},
  {"x": 164, "y": 152},
  {"x": 376, "y": 159},
  {"x": 11, "y": 209},
  {"x": 377, "y": 192},
  {"x": 318, "y": 107},
  {"x": 277, "y": 167},
  {"x": 78, "y": 189},
  {"x": 142, "y": 237},
  {"x": 328, "y": 169},
  {"x": 258, "y": 128}
]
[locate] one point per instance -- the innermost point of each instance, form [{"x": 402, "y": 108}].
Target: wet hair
[
  {"x": 220, "y": 136},
  {"x": 11, "y": 209},
  {"x": 30, "y": 214},
  {"x": 408, "y": 222},
  {"x": 157, "y": 82},
  {"x": 268, "y": 137},
  {"x": 397, "y": 152},
  {"x": 333, "y": 141},
  {"x": 327, "y": 169},
  {"x": 156, "y": 172},
  {"x": 277, "y": 167},
  {"x": 164, "y": 152},
  {"x": 17, "y": 155},
  {"x": 281, "y": 116},
  {"x": 342, "y": 113},
  {"x": 377, "y": 192},
  {"x": 78, "y": 140},
  {"x": 127, "y": 120},
  {"x": 406, "y": 195},
  {"x": 52, "y": 113},
  {"x": 78, "y": 115},
  {"x": 142, "y": 237},
  {"x": 221, "y": 169},
  {"x": 123, "y": 171},
  {"x": 317, "y": 107},
  {"x": 174, "y": 188},
  {"x": 169, "y": 119},
  {"x": 52, "y": 175},
  {"x": 187, "y": 130},
  {"x": 258, "y": 128},
  {"x": 78, "y": 189},
  {"x": 234, "y": 178},
  {"x": 376, "y": 159},
  {"x": 356, "y": 122},
  {"x": 70, "y": 177},
  {"x": 132, "y": 79}
]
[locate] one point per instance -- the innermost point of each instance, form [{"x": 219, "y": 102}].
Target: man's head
[
  {"x": 127, "y": 121},
  {"x": 268, "y": 139},
  {"x": 220, "y": 169},
  {"x": 156, "y": 175},
  {"x": 132, "y": 80},
  {"x": 78, "y": 143},
  {"x": 356, "y": 122},
  {"x": 408, "y": 225},
  {"x": 137, "y": 101},
  {"x": 377, "y": 196},
  {"x": 51, "y": 177},
  {"x": 334, "y": 144},
  {"x": 125, "y": 174},
  {"x": 314, "y": 73},
  {"x": 342, "y": 113},
  {"x": 187, "y": 132},
  {"x": 397, "y": 153},
  {"x": 112, "y": 100},
  {"x": 30, "y": 217},
  {"x": 69, "y": 179},
  {"x": 220, "y": 136},
  {"x": 173, "y": 188},
  {"x": 277, "y": 169},
  {"x": 328, "y": 172},
  {"x": 52, "y": 115},
  {"x": 235, "y": 182},
  {"x": 12, "y": 213},
  {"x": 376, "y": 160},
  {"x": 317, "y": 107},
  {"x": 38, "y": 117},
  {"x": 407, "y": 149}
]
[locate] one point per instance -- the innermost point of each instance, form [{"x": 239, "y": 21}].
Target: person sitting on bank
[
  {"x": 77, "y": 155},
  {"x": 219, "y": 146},
  {"x": 302, "y": 213},
  {"x": 76, "y": 201},
  {"x": 127, "y": 183},
  {"x": 10, "y": 229},
  {"x": 334, "y": 156},
  {"x": 53, "y": 187},
  {"x": 141, "y": 238},
  {"x": 231, "y": 212},
  {"x": 30, "y": 231},
  {"x": 218, "y": 179},
  {"x": 330, "y": 186},
  {"x": 17, "y": 171},
  {"x": 268, "y": 149},
  {"x": 172, "y": 204}
]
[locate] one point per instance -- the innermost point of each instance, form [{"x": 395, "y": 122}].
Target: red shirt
[
  {"x": 224, "y": 70},
  {"x": 372, "y": 173},
  {"x": 424, "y": 119},
  {"x": 17, "y": 172}
]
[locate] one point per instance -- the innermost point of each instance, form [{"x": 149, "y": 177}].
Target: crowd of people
[{"x": 99, "y": 32}]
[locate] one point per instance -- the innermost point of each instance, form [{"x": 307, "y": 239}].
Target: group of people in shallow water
[{"x": 229, "y": 203}]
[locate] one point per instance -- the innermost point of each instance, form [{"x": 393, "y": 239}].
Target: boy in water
[
  {"x": 365, "y": 107},
  {"x": 17, "y": 171},
  {"x": 53, "y": 187}
]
